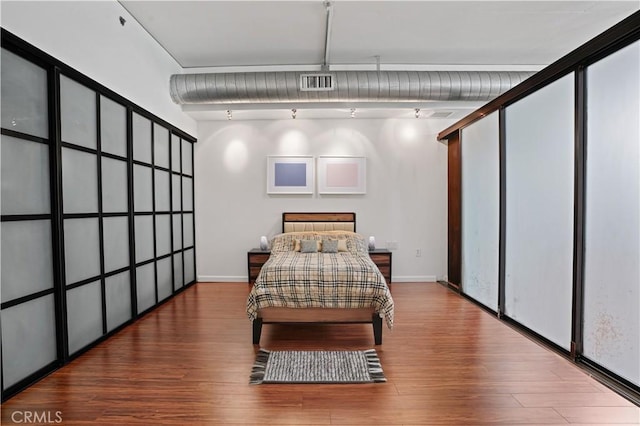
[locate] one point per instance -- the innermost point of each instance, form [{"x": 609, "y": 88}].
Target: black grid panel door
[
  {"x": 144, "y": 222},
  {"x": 83, "y": 223},
  {"x": 162, "y": 193},
  {"x": 115, "y": 213},
  {"x": 28, "y": 308},
  {"x": 182, "y": 207}
]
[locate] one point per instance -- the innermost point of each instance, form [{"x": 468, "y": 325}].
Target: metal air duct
[{"x": 348, "y": 86}]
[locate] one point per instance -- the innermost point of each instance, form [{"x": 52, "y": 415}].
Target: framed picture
[
  {"x": 342, "y": 175},
  {"x": 290, "y": 175}
]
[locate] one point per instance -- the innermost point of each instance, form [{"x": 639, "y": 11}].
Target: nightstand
[
  {"x": 255, "y": 259},
  {"x": 382, "y": 259}
]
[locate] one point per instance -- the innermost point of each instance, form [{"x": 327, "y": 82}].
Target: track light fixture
[
  {"x": 417, "y": 112},
  {"x": 353, "y": 112},
  {"x": 294, "y": 112},
  {"x": 229, "y": 114}
]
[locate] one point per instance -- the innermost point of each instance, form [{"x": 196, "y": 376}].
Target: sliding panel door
[
  {"x": 539, "y": 211},
  {"x": 188, "y": 209},
  {"x": 612, "y": 222},
  {"x": 176, "y": 208},
  {"x": 83, "y": 267},
  {"x": 143, "y": 194},
  {"x": 28, "y": 314},
  {"x": 115, "y": 216},
  {"x": 182, "y": 212},
  {"x": 162, "y": 177},
  {"x": 481, "y": 210}
]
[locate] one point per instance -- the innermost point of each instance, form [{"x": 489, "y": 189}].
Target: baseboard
[
  {"x": 222, "y": 279},
  {"x": 414, "y": 278},
  {"x": 243, "y": 278}
]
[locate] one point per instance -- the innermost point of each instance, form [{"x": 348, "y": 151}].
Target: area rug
[{"x": 317, "y": 367}]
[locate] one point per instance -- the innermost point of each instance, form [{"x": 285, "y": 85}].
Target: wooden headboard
[{"x": 297, "y": 222}]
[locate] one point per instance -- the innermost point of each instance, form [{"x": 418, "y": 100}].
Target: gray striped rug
[{"x": 317, "y": 367}]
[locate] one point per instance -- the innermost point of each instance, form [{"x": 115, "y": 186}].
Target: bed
[{"x": 319, "y": 272}]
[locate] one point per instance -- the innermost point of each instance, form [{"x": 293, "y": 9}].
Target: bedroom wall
[
  {"x": 87, "y": 36},
  {"x": 406, "y": 199}
]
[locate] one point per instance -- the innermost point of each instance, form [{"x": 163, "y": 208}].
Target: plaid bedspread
[{"x": 321, "y": 280}]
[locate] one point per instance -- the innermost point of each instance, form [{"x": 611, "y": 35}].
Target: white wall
[
  {"x": 406, "y": 198},
  {"x": 87, "y": 36}
]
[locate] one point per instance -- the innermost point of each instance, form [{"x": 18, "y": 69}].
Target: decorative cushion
[
  {"x": 330, "y": 246},
  {"x": 309, "y": 246},
  {"x": 297, "y": 247}
]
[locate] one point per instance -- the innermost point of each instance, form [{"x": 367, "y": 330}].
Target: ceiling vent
[{"x": 316, "y": 82}]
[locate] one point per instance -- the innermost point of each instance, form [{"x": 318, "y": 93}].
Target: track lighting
[
  {"x": 353, "y": 112},
  {"x": 229, "y": 114},
  {"x": 417, "y": 112},
  {"x": 293, "y": 113}
]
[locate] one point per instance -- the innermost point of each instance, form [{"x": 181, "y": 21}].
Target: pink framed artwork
[{"x": 341, "y": 175}]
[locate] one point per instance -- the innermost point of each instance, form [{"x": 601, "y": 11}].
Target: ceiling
[{"x": 245, "y": 36}]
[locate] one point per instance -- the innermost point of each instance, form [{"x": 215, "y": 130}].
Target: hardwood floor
[{"x": 446, "y": 362}]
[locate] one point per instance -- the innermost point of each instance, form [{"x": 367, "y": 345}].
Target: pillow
[
  {"x": 297, "y": 247},
  {"x": 342, "y": 245},
  {"x": 309, "y": 246},
  {"x": 330, "y": 246}
]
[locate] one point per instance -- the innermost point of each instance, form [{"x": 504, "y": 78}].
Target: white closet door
[
  {"x": 539, "y": 219},
  {"x": 481, "y": 210},
  {"x": 612, "y": 222}
]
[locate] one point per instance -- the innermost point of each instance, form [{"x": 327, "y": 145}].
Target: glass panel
[
  {"x": 176, "y": 162},
  {"x": 28, "y": 338},
  {"x": 612, "y": 224},
  {"x": 141, "y": 139},
  {"x": 146, "y": 287},
  {"x": 177, "y": 271},
  {"x": 187, "y": 148},
  {"x": 25, "y": 176},
  {"x": 539, "y": 217},
  {"x": 84, "y": 315},
  {"x": 24, "y": 96},
  {"x": 27, "y": 265},
  {"x": 177, "y": 231},
  {"x": 144, "y": 238},
  {"x": 189, "y": 266},
  {"x": 162, "y": 191},
  {"x": 481, "y": 210},
  {"x": 187, "y": 228},
  {"x": 187, "y": 194},
  {"x": 114, "y": 186},
  {"x": 82, "y": 249},
  {"x": 113, "y": 128},
  {"x": 176, "y": 194},
  {"x": 77, "y": 113},
  {"x": 79, "y": 181},
  {"x": 142, "y": 189},
  {"x": 118, "y": 300},
  {"x": 163, "y": 234},
  {"x": 165, "y": 278},
  {"x": 116, "y": 243},
  {"x": 161, "y": 146}
]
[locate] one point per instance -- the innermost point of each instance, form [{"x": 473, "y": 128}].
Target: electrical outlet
[{"x": 418, "y": 252}]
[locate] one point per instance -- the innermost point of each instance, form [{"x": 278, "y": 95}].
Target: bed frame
[{"x": 297, "y": 222}]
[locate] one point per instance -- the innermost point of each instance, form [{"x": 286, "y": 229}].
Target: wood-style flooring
[{"x": 446, "y": 361}]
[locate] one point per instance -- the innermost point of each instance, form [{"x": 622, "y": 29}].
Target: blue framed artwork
[{"x": 290, "y": 175}]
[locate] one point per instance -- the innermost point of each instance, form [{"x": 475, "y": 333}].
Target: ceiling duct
[{"x": 348, "y": 86}]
